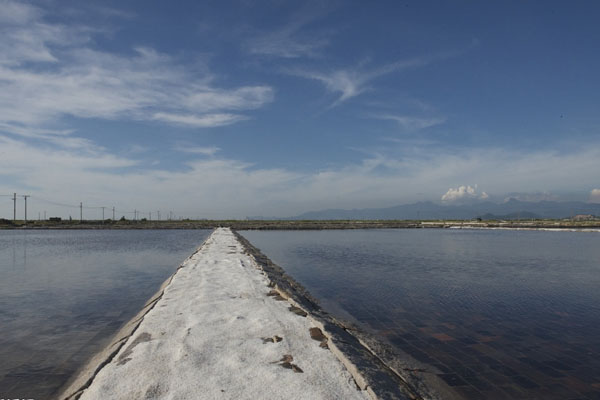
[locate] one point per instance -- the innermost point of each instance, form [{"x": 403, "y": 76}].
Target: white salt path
[{"x": 204, "y": 340}]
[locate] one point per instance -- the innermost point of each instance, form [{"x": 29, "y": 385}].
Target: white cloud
[
  {"x": 595, "y": 196},
  {"x": 216, "y": 187},
  {"x": 21, "y": 158},
  {"x": 12, "y": 12},
  {"x": 244, "y": 98},
  {"x": 25, "y": 37},
  {"x": 412, "y": 123},
  {"x": 48, "y": 71},
  {"x": 205, "y": 151},
  {"x": 201, "y": 121},
  {"x": 349, "y": 83},
  {"x": 462, "y": 193}
]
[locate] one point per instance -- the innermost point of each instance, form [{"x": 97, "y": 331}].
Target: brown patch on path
[
  {"x": 298, "y": 311},
  {"x": 317, "y": 334},
  {"x": 276, "y": 295},
  {"x": 274, "y": 339},
  {"x": 286, "y": 362}
]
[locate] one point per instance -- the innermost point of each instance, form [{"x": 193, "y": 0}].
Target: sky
[{"x": 220, "y": 109}]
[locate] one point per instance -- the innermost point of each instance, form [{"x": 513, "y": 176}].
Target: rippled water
[
  {"x": 63, "y": 294},
  {"x": 496, "y": 314}
]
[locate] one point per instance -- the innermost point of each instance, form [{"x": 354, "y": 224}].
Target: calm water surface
[
  {"x": 63, "y": 294},
  {"x": 496, "y": 314}
]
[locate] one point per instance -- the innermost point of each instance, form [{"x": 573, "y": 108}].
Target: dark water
[
  {"x": 496, "y": 314},
  {"x": 63, "y": 294}
]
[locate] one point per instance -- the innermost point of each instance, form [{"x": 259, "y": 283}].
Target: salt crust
[{"x": 204, "y": 339}]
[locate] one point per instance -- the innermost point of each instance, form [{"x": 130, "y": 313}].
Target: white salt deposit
[{"x": 211, "y": 337}]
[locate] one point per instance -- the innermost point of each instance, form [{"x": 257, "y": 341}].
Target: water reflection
[
  {"x": 64, "y": 293},
  {"x": 18, "y": 246},
  {"x": 495, "y": 314}
]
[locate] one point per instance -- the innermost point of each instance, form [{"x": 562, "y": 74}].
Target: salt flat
[{"x": 216, "y": 334}]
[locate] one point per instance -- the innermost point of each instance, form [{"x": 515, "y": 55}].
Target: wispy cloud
[
  {"x": 290, "y": 41},
  {"x": 23, "y": 158},
  {"x": 59, "y": 137},
  {"x": 244, "y": 98},
  {"x": 12, "y": 12},
  {"x": 199, "y": 121},
  {"x": 409, "y": 123},
  {"x": 205, "y": 151},
  {"x": 351, "y": 82},
  {"x": 48, "y": 71},
  {"x": 282, "y": 44}
]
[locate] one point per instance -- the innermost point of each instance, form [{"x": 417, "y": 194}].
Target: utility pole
[
  {"x": 135, "y": 215},
  {"x": 44, "y": 215},
  {"x": 113, "y": 213},
  {"x": 80, "y": 212},
  {"x": 14, "y": 206},
  {"x": 150, "y": 216},
  {"x": 25, "y": 196},
  {"x": 158, "y": 213},
  {"x": 103, "y": 214}
]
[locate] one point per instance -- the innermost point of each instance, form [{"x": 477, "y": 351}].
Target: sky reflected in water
[
  {"x": 63, "y": 294},
  {"x": 496, "y": 314}
]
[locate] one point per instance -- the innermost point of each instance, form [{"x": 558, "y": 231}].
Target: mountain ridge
[{"x": 511, "y": 209}]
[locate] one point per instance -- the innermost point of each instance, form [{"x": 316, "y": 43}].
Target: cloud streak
[
  {"x": 411, "y": 124},
  {"x": 204, "y": 151},
  {"x": 46, "y": 75},
  {"x": 199, "y": 121},
  {"x": 289, "y": 41},
  {"x": 348, "y": 83}
]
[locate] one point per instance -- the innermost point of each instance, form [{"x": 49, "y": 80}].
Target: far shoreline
[{"x": 546, "y": 224}]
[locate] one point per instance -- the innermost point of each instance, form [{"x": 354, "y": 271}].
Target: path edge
[
  {"x": 83, "y": 378},
  {"x": 347, "y": 343}
]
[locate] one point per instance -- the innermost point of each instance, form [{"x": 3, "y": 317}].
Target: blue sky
[{"x": 273, "y": 108}]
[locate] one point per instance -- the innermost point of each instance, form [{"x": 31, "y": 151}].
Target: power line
[
  {"x": 56, "y": 203},
  {"x": 115, "y": 211},
  {"x": 80, "y": 206}
]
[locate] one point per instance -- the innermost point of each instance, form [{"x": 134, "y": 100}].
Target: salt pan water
[
  {"x": 63, "y": 294},
  {"x": 495, "y": 314}
]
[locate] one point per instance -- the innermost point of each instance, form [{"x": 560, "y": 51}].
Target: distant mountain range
[{"x": 511, "y": 209}]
